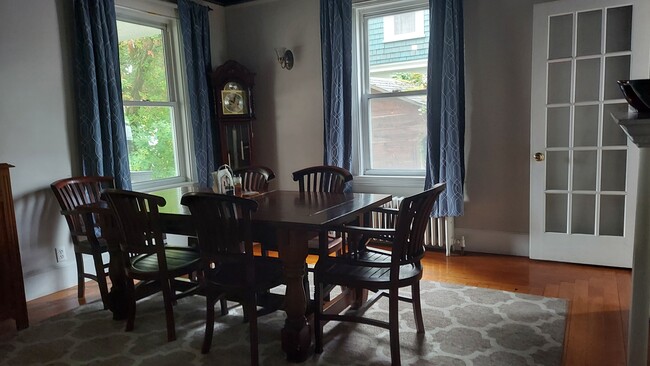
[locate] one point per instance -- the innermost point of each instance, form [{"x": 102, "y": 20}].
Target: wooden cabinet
[
  {"x": 232, "y": 86},
  {"x": 12, "y": 288}
]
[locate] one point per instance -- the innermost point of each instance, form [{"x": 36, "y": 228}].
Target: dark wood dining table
[{"x": 293, "y": 217}]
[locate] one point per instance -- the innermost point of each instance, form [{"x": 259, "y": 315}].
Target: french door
[{"x": 583, "y": 169}]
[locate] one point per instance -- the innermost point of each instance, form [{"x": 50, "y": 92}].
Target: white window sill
[{"x": 397, "y": 186}]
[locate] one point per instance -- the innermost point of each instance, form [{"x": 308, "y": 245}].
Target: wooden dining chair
[
  {"x": 146, "y": 255},
  {"x": 255, "y": 178},
  {"x": 323, "y": 179},
  {"x": 317, "y": 179},
  {"x": 230, "y": 270},
  {"x": 72, "y": 193},
  {"x": 380, "y": 271}
]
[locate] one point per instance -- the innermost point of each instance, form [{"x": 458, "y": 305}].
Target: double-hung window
[
  {"x": 391, "y": 65},
  {"x": 152, "y": 94}
]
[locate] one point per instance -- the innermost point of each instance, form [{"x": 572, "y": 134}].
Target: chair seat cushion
[
  {"x": 179, "y": 261},
  {"x": 372, "y": 255},
  {"x": 232, "y": 277},
  {"x": 347, "y": 272}
]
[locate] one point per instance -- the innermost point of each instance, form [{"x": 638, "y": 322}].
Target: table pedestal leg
[{"x": 296, "y": 334}]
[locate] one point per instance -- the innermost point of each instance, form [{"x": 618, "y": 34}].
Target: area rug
[{"x": 464, "y": 326}]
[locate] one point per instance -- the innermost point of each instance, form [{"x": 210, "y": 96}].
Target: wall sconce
[{"x": 285, "y": 58}]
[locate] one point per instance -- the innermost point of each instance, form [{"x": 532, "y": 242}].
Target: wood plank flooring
[{"x": 599, "y": 298}]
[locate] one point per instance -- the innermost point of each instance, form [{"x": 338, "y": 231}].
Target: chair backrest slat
[
  {"x": 223, "y": 228},
  {"x": 412, "y": 221},
  {"x": 322, "y": 178},
  {"x": 138, "y": 220},
  {"x": 255, "y": 178},
  {"x": 79, "y": 191}
]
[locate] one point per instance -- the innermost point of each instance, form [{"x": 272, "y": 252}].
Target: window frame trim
[
  {"x": 177, "y": 94},
  {"x": 361, "y": 12}
]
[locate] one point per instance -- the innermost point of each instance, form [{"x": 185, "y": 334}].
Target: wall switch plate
[{"x": 60, "y": 254}]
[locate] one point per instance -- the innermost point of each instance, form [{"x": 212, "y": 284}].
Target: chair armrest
[
  {"x": 87, "y": 222},
  {"x": 368, "y": 232},
  {"x": 386, "y": 210},
  {"x": 357, "y": 237}
]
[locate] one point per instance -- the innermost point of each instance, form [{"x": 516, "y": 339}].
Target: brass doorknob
[{"x": 539, "y": 156}]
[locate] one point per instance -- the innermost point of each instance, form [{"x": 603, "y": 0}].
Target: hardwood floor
[{"x": 599, "y": 298}]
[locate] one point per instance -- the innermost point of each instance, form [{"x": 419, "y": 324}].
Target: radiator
[{"x": 439, "y": 233}]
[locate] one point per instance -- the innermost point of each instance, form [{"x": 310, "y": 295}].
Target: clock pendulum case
[{"x": 232, "y": 86}]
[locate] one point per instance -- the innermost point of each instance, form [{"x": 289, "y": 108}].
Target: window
[
  {"x": 154, "y": 116},
  {"x": 403, "y": 26},
  {"x": 392, "y": 88}
]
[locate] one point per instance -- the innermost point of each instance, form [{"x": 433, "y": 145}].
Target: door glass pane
[
  {"x": 613, "y": 170},
  {"x": 559, "y": 82},
  {"x": 584, "y": 170},
  {"x": 619, "y": 29},
  {"x": 616, "y": 68},
  {"x": 589, "y": 32},
  {"x": 613, "y": 135},
  {"x": 560, "y": 40},
  {"x": 585, "y": 122},
  {"x": 556, "y": 218},
  {"x": 557, "y": 127},
  {"x": 582, "y": 214},
  {"x": 398, "y": 130},
  {"x": 557, "y": 170},
  {"x": 612, "y": 215},
  {"x": 587, "y": 80}
]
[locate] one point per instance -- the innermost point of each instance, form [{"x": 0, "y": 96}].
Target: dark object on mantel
[
  {"x": 636, "y": 126},
  {"x": 637, "y": 93}
]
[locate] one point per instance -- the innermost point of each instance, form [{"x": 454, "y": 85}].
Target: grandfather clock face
[{"x": 234, "y": 99}]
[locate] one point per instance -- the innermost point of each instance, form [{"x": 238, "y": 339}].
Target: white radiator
[{"x": 439, "y": 233}]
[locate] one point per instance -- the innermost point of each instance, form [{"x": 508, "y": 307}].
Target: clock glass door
[{"x": 237, "y": 138}]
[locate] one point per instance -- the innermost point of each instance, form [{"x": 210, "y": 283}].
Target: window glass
[
  {"x": 402, "y": 26},
  {"x": 152, "y": 113},
  {"x": 398, "y": 119},
  {"x": 392, "y": 91}
]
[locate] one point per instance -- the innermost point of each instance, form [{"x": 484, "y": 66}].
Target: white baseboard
[
  {"x": 494, "y": 242},
  {"x": 51, "y": 279}
]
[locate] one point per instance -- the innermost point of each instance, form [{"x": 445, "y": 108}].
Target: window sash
[
  {"x": 361, "y": 73},
  {"x": 176, "y": 95}
]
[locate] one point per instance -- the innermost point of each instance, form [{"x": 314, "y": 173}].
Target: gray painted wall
[
  {"x": 288, "y": 103},
  {"x": 498, "y": 36},
  {"x": 37, "y": 128},
  {"x": 37, "y": 118}
]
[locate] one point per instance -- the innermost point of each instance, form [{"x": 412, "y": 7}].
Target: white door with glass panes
[{"x": 583, "y": 169}]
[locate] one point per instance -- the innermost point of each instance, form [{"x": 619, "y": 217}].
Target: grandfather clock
[{"x": 232, "y": 86}]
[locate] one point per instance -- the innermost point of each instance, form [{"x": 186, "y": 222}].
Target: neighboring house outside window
[
  {"x": 156, "y": 123},
  {"x": 392, "y": 49}
]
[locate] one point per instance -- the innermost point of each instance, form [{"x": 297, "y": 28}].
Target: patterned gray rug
[{"x": 464, "y": 326}]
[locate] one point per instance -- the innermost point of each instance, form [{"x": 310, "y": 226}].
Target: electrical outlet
[{"x": 60, "y": 254}]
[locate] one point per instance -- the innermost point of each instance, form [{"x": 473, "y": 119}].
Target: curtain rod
[
  {"x": 144, "y": 11},
  {"x": 169, "y": 4}
]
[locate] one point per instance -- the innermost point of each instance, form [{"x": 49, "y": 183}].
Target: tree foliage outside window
[
  {"x": 149, "y": 115},
  {"x": 417, "y": 79}
]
